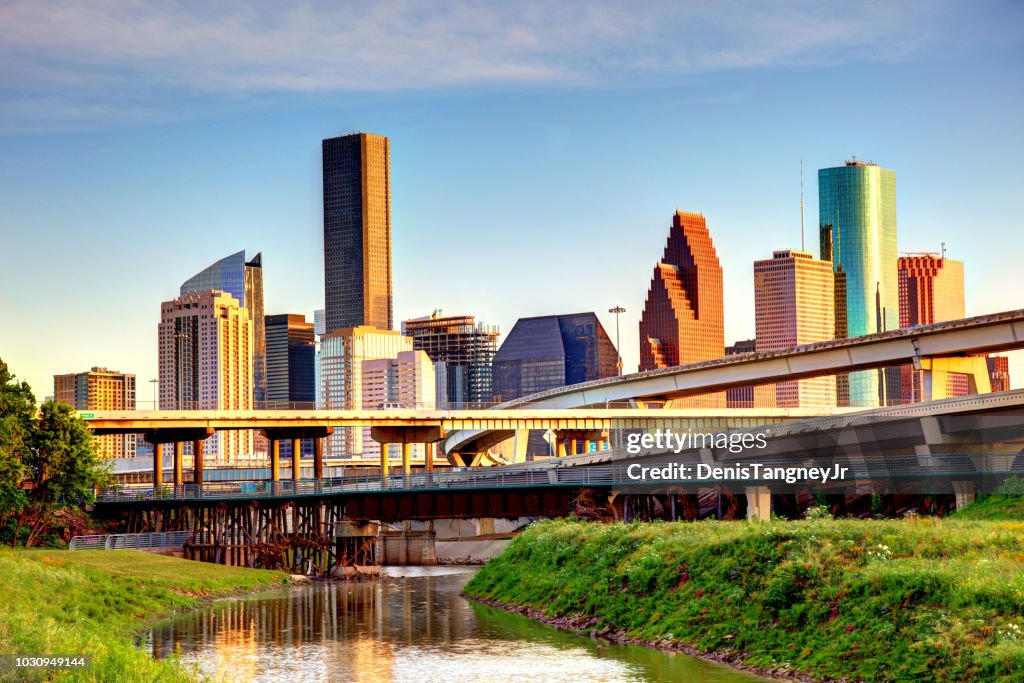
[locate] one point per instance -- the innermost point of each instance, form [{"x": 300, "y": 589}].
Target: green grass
[
  {"x": 97, "y": 602},
  {"x": 996, "y": 506},
  {"x": 921, "y": 599}
]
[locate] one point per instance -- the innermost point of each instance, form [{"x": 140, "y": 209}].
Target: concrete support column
[
  {"x": 428, "y": 458},
  {"x": 383, "y": 459},
  {"x": 937, "y": 371},
  {"x": 561, "y": 448},
  {"x": 296, "y": 459},
  {"x": 485, "y": 526},
  {"x": 197, "y": 461},
  {"x": 759, "y": 503},
  {"x": 586, "y": 445},
  {"x": 318, "y": 457},
  {"x": 965, "y": 493},
  {"x": 275, "y": 460},
  {"x": 572, "y": 446},
  {"x": 179, "y": 478},
  {"x": 158, "y": 465},
  {"x": 406, "y": 458}
]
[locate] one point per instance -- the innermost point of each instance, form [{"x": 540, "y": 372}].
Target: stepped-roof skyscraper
[{"x": 682, "y": 321}]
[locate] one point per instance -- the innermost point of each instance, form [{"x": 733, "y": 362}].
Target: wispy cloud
[{"x": 95, "y": 50}]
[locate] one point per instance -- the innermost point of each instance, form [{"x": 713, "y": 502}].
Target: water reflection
[{"x": 413, "y": 627}]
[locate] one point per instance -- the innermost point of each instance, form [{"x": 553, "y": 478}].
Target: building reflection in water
[{"x": 397, "y": 629}]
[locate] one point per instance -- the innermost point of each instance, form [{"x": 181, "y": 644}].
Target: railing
[
  {"x": 159, "y": 539},
  {"x": 903, "y": 467}
]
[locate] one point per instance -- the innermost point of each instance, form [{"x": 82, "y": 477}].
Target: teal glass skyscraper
[{"x": 857, "y": 219}]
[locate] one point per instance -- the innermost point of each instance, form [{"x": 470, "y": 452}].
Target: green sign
[{"x": 87, "y": 416}]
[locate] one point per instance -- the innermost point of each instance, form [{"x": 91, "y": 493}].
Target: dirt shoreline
[{"x": 586, "y": 626}]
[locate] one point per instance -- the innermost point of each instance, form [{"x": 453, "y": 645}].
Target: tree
[
  {"x": 17, "y": 409},
  {"x": 53, "y": 449},
  {"x": 62, "y": 466}
]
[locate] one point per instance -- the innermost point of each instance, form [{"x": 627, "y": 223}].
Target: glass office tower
[
  {"x": 857, "y": 216},
  {"x": 243, "y": 280}
]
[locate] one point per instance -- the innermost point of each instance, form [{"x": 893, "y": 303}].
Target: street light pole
[
  {"x": 618, "y": 352},
  {"x": 154, "y": 382}
]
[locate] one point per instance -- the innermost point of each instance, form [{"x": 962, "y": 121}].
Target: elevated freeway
[{"x": 939, "y": 349}]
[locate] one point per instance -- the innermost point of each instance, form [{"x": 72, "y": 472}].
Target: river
[{"x": 411, "y": 625}]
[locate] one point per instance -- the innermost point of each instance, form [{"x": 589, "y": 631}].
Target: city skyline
[{"x": 487, "y": 169}]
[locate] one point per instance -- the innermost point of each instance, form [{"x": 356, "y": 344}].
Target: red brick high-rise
[{"x": 682, "y": 320}]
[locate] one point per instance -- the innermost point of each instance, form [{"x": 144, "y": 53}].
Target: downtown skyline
[{"x": 485, "y": 173}]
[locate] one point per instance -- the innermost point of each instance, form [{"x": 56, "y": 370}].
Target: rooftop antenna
[
  {"x": 802, "y": 233},
  {"x": 943, "y": 250}
]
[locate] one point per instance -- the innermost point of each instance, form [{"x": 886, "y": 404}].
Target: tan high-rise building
[
  {"x": 794, "y": 304},
  {"x": 100, "y": 389},
  {"x": 406, "y": 381},
  {"x": 206, "y": 357},
  {"x": 357, "y": 231},
  {"x": 342, "y": 353}
]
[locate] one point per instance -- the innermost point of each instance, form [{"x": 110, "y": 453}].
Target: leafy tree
[
  {"x": 53, "y": 450},
  {"x": 17, "y": 408}
]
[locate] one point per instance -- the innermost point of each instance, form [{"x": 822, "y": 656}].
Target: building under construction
[{"x": 467, "y": 349}]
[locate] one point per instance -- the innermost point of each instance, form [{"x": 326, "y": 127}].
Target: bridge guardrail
[
  {"x": 141, "y": 541},
  {"x": 900, "y": 466}
]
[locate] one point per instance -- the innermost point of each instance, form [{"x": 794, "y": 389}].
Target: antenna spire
[{"x": 802, "y": 232}]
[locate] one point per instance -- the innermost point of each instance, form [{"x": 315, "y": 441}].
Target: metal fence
[{"x": 145, "y": 541}]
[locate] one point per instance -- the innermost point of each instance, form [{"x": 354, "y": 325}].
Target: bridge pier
[
  {"x": 176, "y": 436},
  {"x": 759, "y": 503},
  {"x": 296, "y": 459},
  {"x": 197, "y": 461},
  {"x": 275, "y": 460},
  {"x": 179, "y": 450},
  {"x": 158, "y": 465},
  {"x": 937, "y": 371}
]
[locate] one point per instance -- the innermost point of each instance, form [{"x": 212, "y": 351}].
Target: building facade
[
  {"x": 857, "y": 224},
  {"x": 794, "y": 304},
  {"x": 682, "y": 320},
  {"x": 406, "y": 381},
  {"x": 999, "y": 372},
  {"x": 740, "y": 397},
  {"x": 205, "y": 363},
  {"x": 101, "y": 389},
  {"x": 243, "y": 280},
  {"x": 319, "y": 328},
  {"x": 357, "y": 231},
  {"x": 342, "y": 353},
  {"x": 466, "y": 347},
  {"x": 552, "y": 351},
  {"x": 290, "y": 362}
]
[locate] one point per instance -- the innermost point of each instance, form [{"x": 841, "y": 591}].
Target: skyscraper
[
  {"x": 100, "y": 389},
  {"x": 794, "y": 304},
  {"x": 205, "y": 362},
  {"x": 552, "y": 351},
  {"x": 931, "y": 290},
  {"x": 342, "y": 353},
  {"x": 682, "y": 321},
  {"x": 857, "y": 222},
  {"x": 290, "y": 363},
  {"x": 357, "y": 231},
  {"x": 243, "y": 280},
  {"x": 466, "y": 347}
]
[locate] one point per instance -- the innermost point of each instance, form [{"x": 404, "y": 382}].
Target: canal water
[{"x": 411, "y": 625}]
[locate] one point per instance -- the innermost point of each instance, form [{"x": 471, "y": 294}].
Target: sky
[{"x": 538, "y": 151}]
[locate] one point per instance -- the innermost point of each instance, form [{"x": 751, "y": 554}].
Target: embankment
[
  {"x": 920, "y": 599},
  {"x": 96, "y": 602}
]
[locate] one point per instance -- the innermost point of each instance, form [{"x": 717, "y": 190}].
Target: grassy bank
[
  {"x": 903, "y": 600},
  {"x": 96, "y": 602},
  {"x": 994, "y": 507}
]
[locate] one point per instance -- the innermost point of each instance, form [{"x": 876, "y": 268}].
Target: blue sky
[{"x": 538, "y": 151}]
